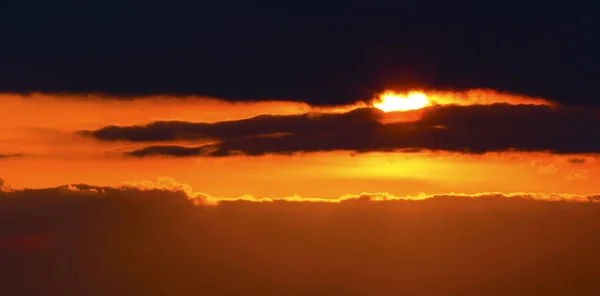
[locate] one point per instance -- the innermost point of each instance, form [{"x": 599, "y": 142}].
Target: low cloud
[
  {"x": 467, "y": 129},
  {"x": 148, "y": 238}
]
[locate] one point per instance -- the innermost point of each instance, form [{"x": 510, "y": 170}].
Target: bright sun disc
[{"x": 390, "y": 101}]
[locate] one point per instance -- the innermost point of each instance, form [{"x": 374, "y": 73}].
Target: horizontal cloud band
[
  {"x": 471, "y": 129},
  {"x": 168, "y": 187},
  {"x": 149, "y": 239}
]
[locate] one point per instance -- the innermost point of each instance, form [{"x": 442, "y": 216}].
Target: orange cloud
[
  {"x": 483, "y": 97},
  {"x": 200, "y": 198},
  {"x": 415, "y": 99},
  {"x": 118, "y": 240},
  {"x": 90, "y": 111}
]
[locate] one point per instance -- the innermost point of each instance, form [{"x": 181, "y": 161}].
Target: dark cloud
[
  {"x": 577, "y": 160},
  {"x": 324, "y": 54},
  {"x": 170, "y": 150},
  {"x": 263, "y": 125},
  {"x": 87, "y": 240},
  {"x": 470, "y": 129}
]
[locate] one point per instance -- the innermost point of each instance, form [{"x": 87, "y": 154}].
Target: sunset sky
[
  {"x": 326, "y": 148},
  {"x": 446, "y": 142}
]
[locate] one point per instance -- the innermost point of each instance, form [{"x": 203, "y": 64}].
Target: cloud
[
  {"x": 148, "y": 238},
  {"x": 10, "y": 155},
  {"x": 471, "y": 129},
  {"x": 331, "y": 56},
  {"x": 255, "y": 126},
  {"x": 577, "y": 160},
  {"x": 170, "y": 150}
]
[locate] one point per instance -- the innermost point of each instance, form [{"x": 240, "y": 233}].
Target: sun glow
[{"x": 390, "y": 101}]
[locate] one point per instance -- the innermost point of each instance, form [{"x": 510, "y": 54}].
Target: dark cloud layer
[
  {"x": 87, "y": 240},
  {"x": 323, "y": 53},
  {"x": 262, "y": 125},
  {"x": 471, "y": 129}
]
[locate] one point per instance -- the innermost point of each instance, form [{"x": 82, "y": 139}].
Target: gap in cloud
[{"x": 391, "y": 100}]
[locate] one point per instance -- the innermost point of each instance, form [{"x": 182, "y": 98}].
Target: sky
[{"x": 356, "y": 148}]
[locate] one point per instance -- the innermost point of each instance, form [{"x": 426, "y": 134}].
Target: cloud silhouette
[
  {"x": 152, "y": 240},
  {"x": 470, "y": 129},
  {"x": 328, "y": 55},
  {"x": 256, "y": 126}
]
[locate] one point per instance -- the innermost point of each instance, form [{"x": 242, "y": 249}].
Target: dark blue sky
[{"x": 317, "y": 51}]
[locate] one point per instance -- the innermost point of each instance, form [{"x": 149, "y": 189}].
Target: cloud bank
[
  {"x": 149, "y": 239},
  {"x": 470, "y": 129}
]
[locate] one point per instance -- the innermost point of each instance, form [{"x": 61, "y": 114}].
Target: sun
[{"x": 390, "y": 101}]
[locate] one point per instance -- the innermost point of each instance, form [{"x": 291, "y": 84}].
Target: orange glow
[
  {"x": 390, "y": 101},
  {"x": 41, "y": 127},
  {"x": 320, "y": 175},
  {"x": 278, "y": 197},
  {"x": 416, "y": 99},
  {"x": 482, "y": 97},
  {"x": 72, "y": 112}
]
